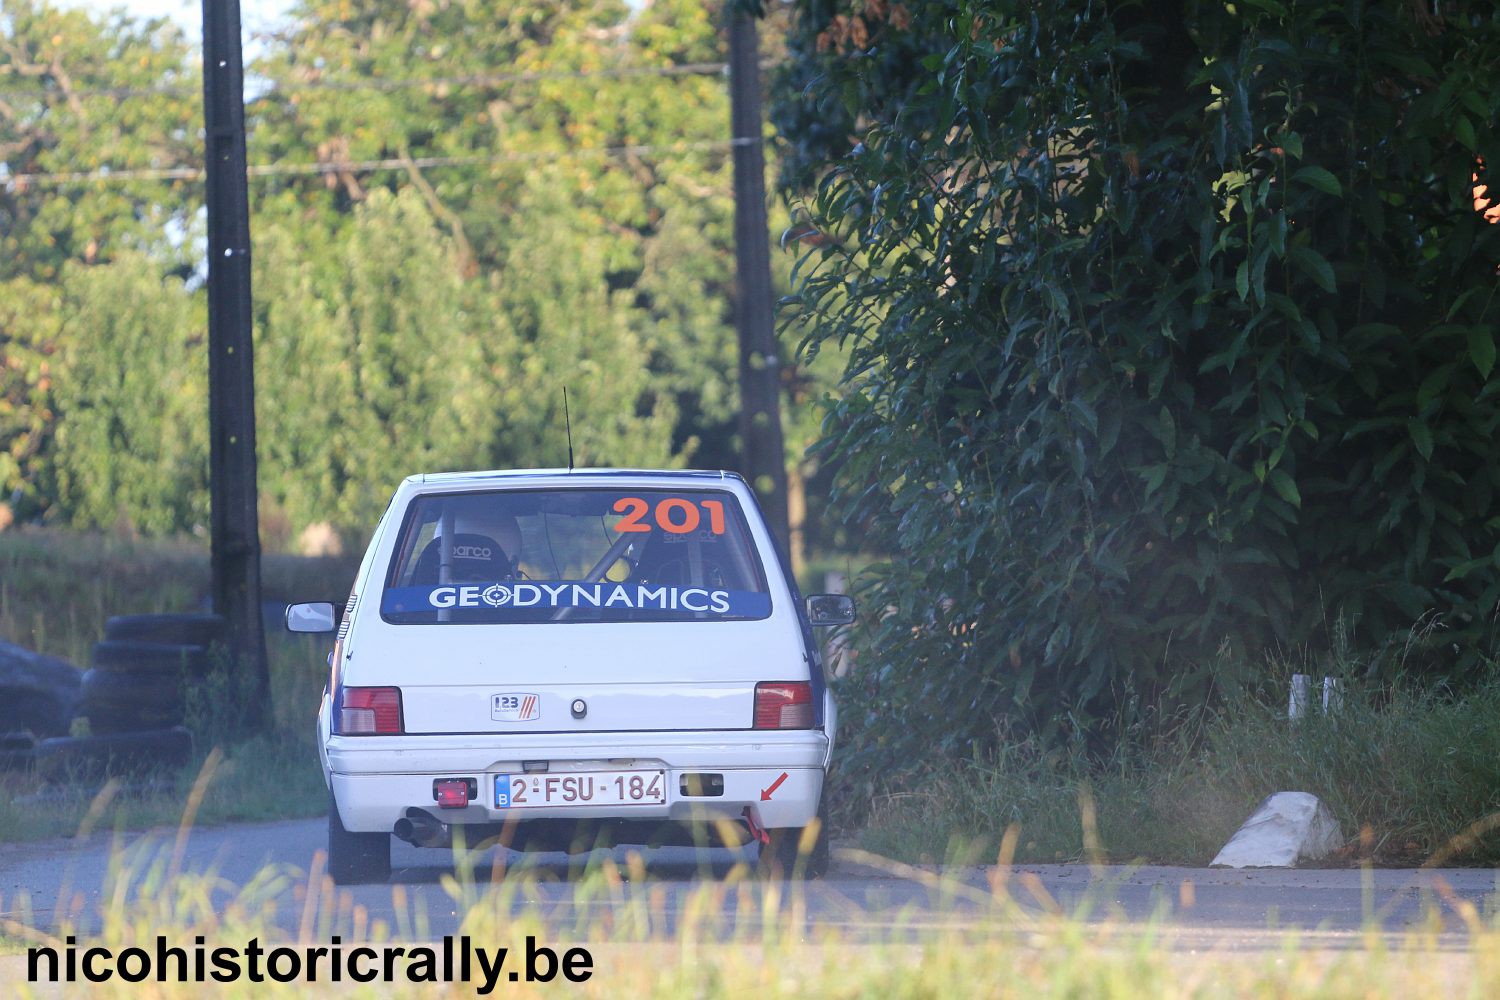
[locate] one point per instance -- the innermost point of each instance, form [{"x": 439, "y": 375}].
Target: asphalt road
[{"x": 65, "y": 881}]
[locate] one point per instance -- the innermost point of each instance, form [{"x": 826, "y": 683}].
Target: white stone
[{"x": 1286, "y": 828}]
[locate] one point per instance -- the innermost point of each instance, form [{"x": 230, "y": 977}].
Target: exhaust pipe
[{"x": 420, "y": 829}]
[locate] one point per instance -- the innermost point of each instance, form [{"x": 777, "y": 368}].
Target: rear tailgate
[{"x": 577, "y": 677}]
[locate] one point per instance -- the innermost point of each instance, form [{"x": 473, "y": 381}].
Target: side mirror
[
  {"x": 830, "y": 609},
  {"x": 316, "y": 617}
]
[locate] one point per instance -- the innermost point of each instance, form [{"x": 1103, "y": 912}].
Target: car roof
[{"x": 561, "y": 476}]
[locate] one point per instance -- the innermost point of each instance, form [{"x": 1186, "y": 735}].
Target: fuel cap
[{"x": 580, "y": 708}]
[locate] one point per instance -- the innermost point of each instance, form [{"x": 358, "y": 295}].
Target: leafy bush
[{"x": 1171, "y": 325}]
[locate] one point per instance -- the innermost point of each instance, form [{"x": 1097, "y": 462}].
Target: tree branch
[
  {"x": 54, "y": 69},
  {"x": 466, "y": 263}
]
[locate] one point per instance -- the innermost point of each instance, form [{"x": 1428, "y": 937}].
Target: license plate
[{"x": 581, "y": 788}]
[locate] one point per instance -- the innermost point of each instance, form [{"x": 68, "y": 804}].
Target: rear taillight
[
  {"x": 783, "y": 705},
  {"x": 453, "y": 793},
  {"x": 370, "y": 712}
]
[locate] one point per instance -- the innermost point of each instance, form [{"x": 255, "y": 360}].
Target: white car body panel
[{"x": 634, "y": 675}]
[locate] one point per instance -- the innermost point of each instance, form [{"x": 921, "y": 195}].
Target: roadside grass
[
  {"x": 56, "y": 591},
  {"x": 265, "y": 778},
  {"x": 58, "y": 587},
  {"x": 994, "y": 941},
  {"x": 1412, "y": 774}
]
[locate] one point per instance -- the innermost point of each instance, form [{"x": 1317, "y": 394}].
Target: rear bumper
[{"x": 375, "y": 779}]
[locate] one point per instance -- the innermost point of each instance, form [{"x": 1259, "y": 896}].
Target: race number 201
[{"x": 673, "y": 514}]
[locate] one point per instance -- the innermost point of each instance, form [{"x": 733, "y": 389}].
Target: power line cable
[
  {"x": 52, "y": 180},
  {"x": 393, "y": 83}
]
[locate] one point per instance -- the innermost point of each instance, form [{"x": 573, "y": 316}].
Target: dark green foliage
[{"x": 1171, "y": 325}]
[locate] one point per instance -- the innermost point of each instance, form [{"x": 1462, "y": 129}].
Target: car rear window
[{"x": 575, "y": 555}]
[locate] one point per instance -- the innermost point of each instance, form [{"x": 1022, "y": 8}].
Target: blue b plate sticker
[{"x": 502, "y": 791}]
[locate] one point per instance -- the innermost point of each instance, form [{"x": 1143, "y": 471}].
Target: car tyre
[
  {"x": 39, "y": 711},
  {"x": 781, "y": 856},
  {"x": 132, "y": 656},
  {"x": 172, "y": 629},
  {"x": 17, "y": 751},
  {"x": 354, "y": 858},
  {"x": 121, "y": 703},
  {"x": 65, "y": 759}
]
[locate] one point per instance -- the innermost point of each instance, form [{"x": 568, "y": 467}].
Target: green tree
[
  {"x": 80, "y": 94},
  {"x": 131, "y": 444},
  {"x": 572, "y": 330},
  {"x": 308, "y": 419},
  {"x": 1170, "y": 324},
  {"x": 29, "y": 332},
  {"x": 77, "y": 93},
  {"x": 419, "y": 398},
  {"x": 556, "y": 210},
  {"x": 562, "y": 85}
]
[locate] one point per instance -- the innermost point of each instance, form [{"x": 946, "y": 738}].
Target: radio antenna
[{"x": 568, "y": 422}]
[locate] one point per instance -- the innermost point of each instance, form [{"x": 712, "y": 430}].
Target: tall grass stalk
[{"x": 984, "y": 942}]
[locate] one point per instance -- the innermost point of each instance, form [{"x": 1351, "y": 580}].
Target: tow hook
[{"x": 759, "y": 834}]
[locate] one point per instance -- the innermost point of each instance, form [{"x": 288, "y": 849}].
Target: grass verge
[
  {"x": 269, "y": 777},
  {"x": 1411, "y": 774},
  {"x": 57, "y": 587}
]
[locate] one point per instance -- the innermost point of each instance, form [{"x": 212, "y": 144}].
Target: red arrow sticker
[{"x": 766, "y": 793}]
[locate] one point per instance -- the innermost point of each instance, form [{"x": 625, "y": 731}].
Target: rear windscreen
[{"x": 576, "y": 555}]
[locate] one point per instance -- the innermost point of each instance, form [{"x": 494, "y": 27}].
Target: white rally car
[{"x": 565, "y": 659}]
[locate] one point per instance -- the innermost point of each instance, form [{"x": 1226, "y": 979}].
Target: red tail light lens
[
  {"x": 451, "y": 793},
  {"x": 370, "y": 712},
  {"x": 783, "y": 705}
]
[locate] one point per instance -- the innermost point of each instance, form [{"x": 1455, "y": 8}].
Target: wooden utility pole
[
  {"x": 763, "y": 458},
  {"x": 231, "y": 366}
]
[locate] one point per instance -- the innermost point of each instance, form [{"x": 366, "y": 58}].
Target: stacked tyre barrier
[
  {"x": 17, "y": 751},
  {"x": 38, "y": 697},
  {"x": 134, "y": 697}
]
